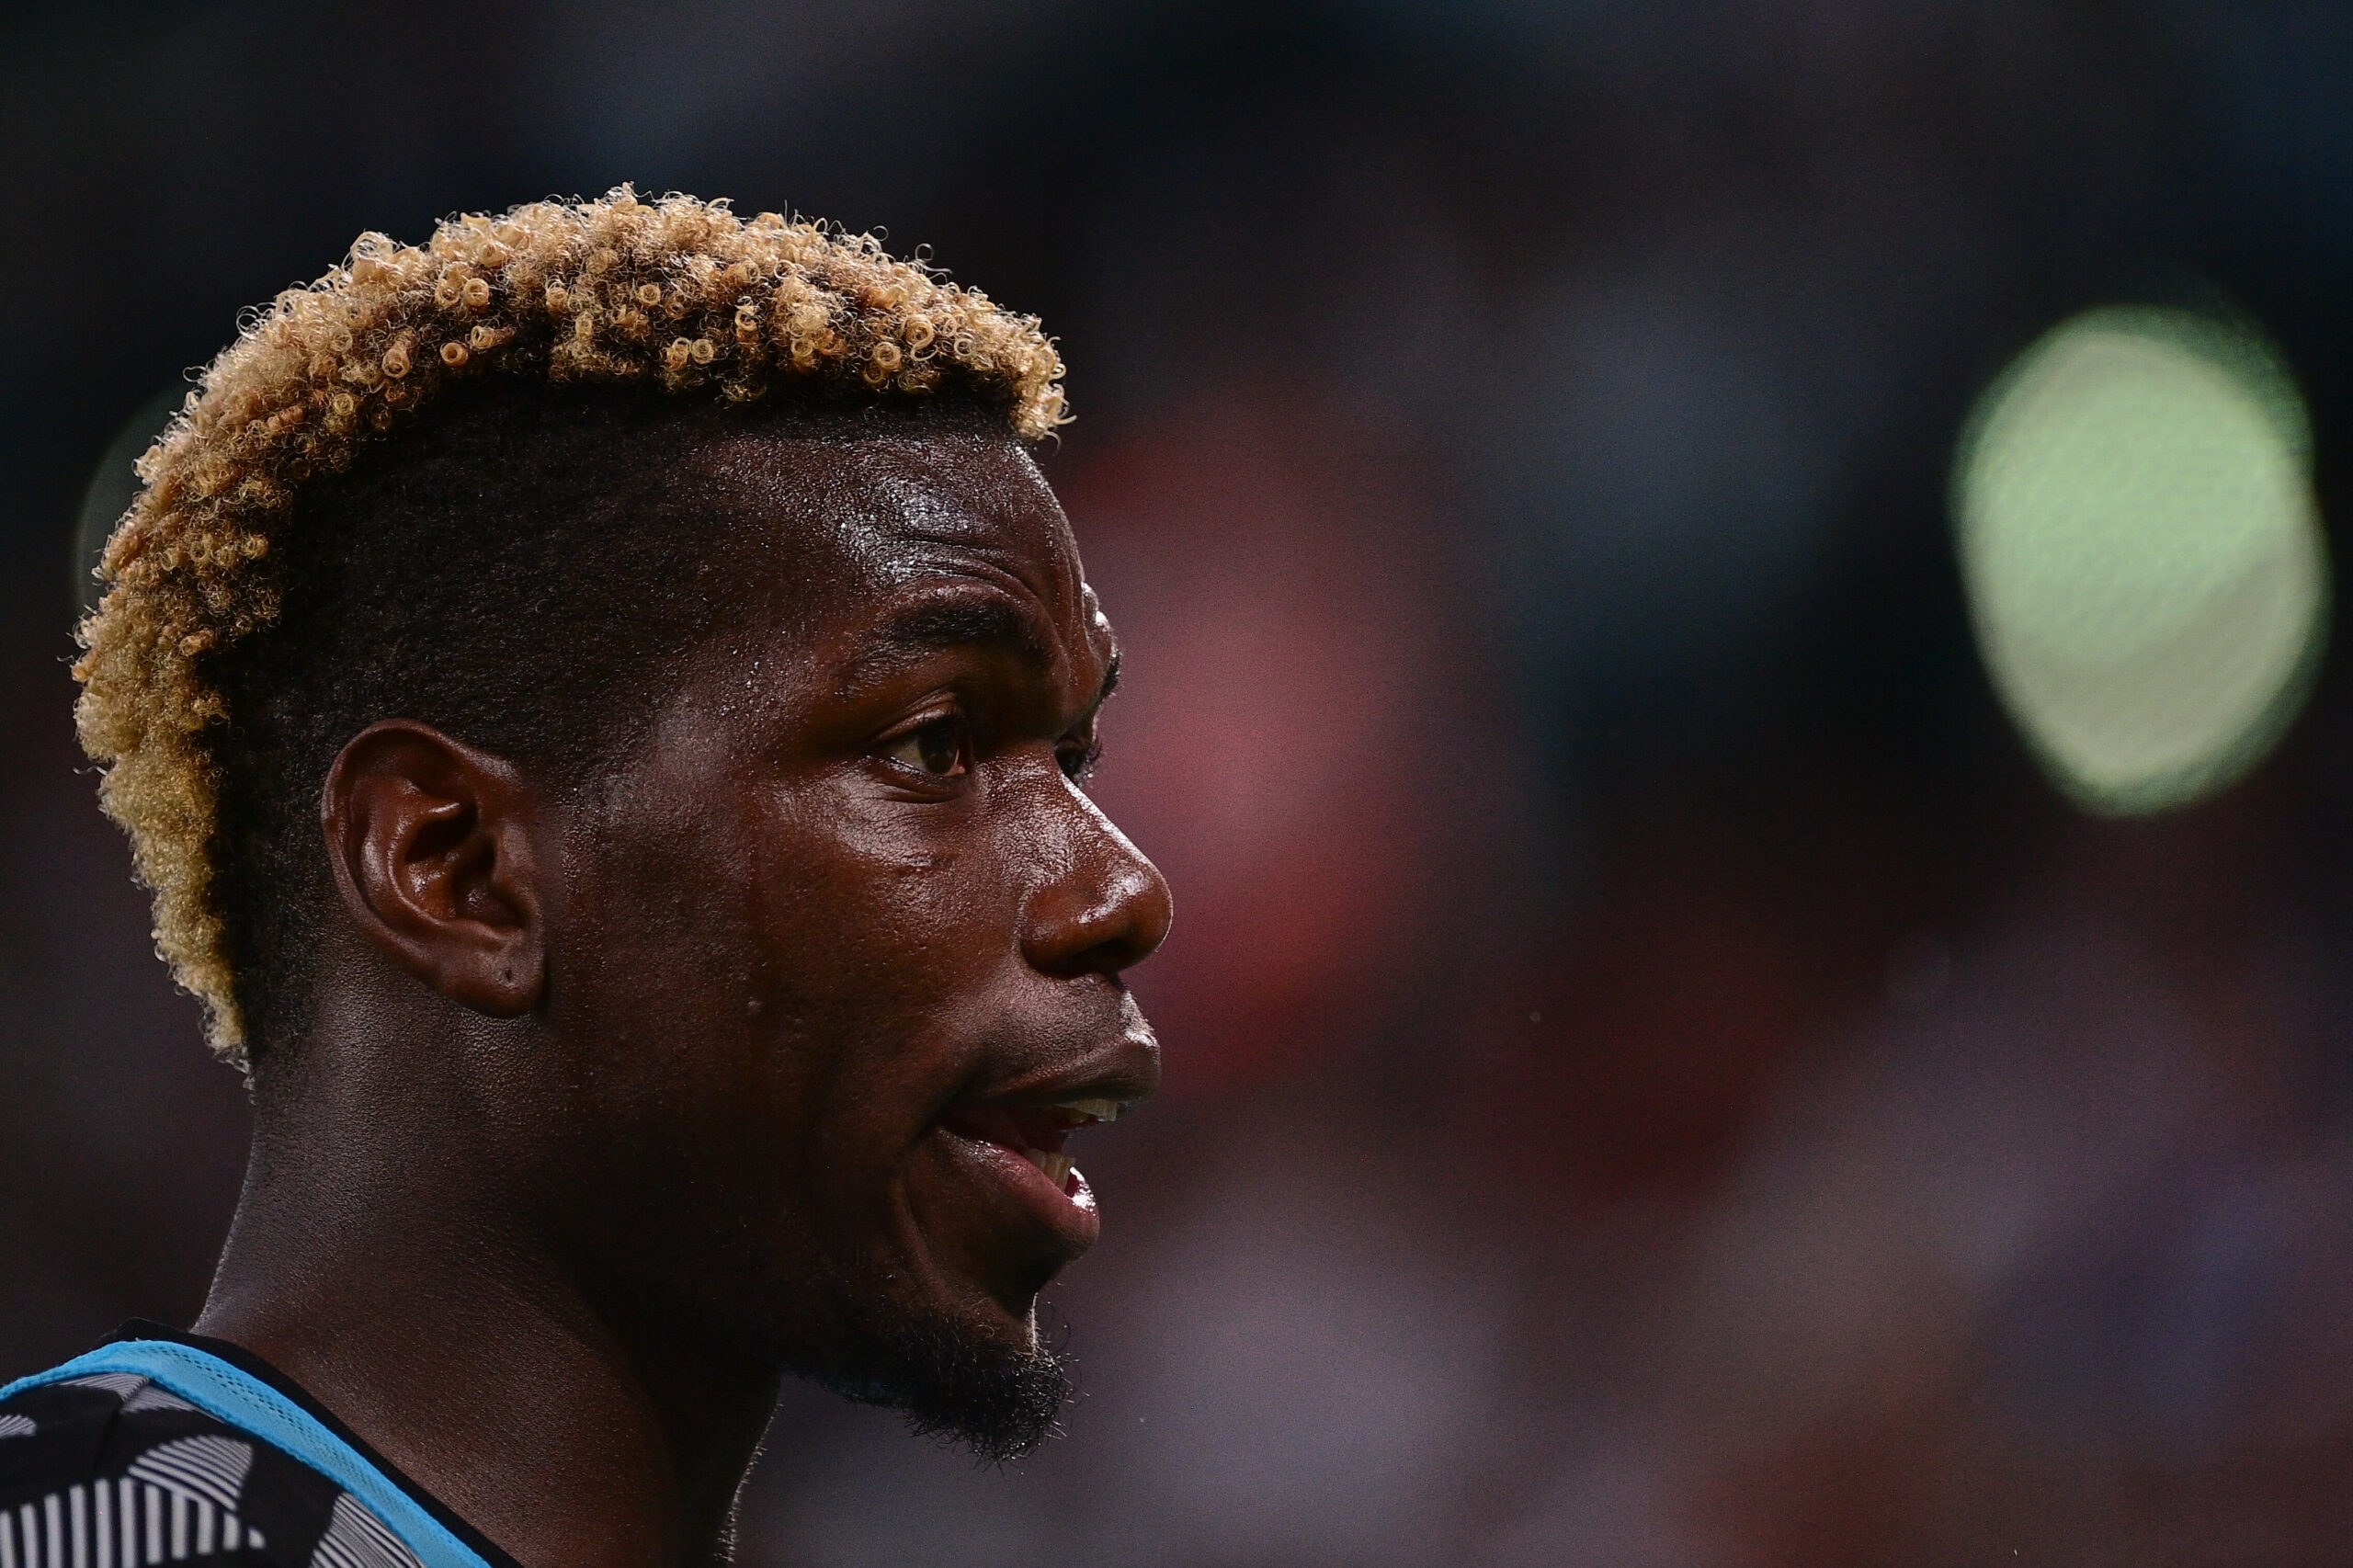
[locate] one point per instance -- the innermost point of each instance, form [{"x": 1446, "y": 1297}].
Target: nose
[{"x": 1107, "y": 908}]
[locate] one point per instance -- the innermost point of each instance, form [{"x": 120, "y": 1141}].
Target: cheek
[
  {"x": 867, "y": 909},
  {"x": 785, "y": 986},
  {"x": 657, "y": 984}
]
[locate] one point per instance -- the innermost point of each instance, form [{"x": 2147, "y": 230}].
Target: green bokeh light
[{"x": 2142, "y": 552}]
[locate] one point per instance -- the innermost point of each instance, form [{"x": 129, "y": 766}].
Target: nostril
[
  {"x": 1071, "y": 933},
  {"x": 1106, "y": 908}
]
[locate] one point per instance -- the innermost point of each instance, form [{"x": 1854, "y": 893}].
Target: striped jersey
[{"x": 165, "y": 1448}]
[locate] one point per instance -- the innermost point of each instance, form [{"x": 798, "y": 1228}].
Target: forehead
[{"x": 828, "y": 531}]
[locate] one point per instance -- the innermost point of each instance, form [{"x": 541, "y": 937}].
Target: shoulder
[{"x": 113, "y": 1471}]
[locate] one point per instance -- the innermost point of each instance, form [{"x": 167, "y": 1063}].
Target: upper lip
[{"x": 1124, "y": 1068}]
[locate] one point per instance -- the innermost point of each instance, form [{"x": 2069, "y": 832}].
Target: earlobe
[{"x": 432, "y": 852}]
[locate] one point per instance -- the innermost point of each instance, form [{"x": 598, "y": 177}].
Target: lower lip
[{"x": 1069, "y": 1214}]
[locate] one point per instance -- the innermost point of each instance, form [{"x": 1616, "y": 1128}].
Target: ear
[{"x": 430, "y": 844}]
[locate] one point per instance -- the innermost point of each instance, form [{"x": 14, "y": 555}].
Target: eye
[{"x": 935, "y": 749}]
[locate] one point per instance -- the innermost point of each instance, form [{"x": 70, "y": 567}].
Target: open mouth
[{"x": 1036, "y": 1133}]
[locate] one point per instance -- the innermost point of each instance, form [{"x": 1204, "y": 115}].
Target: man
[{"x": 601, "y": 702}]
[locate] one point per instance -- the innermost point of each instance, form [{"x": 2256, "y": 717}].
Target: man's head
[{"x": 675, "y": 794}]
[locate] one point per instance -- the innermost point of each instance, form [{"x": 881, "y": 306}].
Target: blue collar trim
[{"x": 251, "y": 1406}]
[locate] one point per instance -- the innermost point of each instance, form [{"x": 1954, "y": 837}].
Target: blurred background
[{"x": 1688, "y": 1042}]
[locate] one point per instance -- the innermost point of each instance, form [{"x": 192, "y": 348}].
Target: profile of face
[{"x": 830, "y": 960}]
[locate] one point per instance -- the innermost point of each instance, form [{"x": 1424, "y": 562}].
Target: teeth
[
  {"x": 1056, "y": 1166},
  {"x": 1101, "y": 1110}
]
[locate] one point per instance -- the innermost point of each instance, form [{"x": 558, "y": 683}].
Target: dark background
[{"x": 1655, "y": 1075}]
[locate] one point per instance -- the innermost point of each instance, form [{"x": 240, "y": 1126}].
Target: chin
[{"x": 973, "y": 1373}]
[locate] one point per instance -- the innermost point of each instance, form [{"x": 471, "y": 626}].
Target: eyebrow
[
  {"x": 928, "y": 627},
  {"x": 962, "y": 623}
]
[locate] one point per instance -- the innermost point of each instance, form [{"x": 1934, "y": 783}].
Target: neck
[{"x": 391, "y": 1273}]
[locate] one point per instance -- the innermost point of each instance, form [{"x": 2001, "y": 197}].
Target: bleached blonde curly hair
[{"x": 678, "y": 294}]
